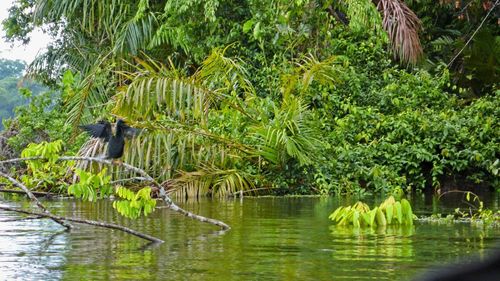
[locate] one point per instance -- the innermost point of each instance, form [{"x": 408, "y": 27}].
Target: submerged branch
[
  {"x": 188, "y": 214},
  {"x": 89, "y": 222},
  {"x": 34, "y": 199}
]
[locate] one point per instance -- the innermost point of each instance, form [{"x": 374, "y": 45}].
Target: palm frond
[
  {"x": 94, "y": 147},
  {"x": 178, "y": 98},
  {"x": 402, "y": 26},
  {"x": 309, "y": 69},
  {"x": 224, "y": 73},
  {"x": 90, "y": 94},
  {"x": 168, "y": 34},
  {"x": 135, "y": 34},
  {"x": 288, "y": 135},
  {"x": 363, "y": 17},
  {"x": 97, "y": 16},
  {"x": 209, "y": 180}
]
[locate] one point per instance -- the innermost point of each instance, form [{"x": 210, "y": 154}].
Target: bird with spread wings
[{"x": 116, "y": 141}]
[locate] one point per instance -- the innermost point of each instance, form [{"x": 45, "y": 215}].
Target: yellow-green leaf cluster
[
  {"x": 389, "y": 212},
  {"x": 91, "y": 186},
  {"x": 47, "y": 150},
  {"x": 44, "y": 174},
  {"x": 134, "y": 203}
]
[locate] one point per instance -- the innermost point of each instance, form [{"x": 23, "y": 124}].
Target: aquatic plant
[
  {"x": 475, "y": 213},
  {"x": 360, "y": 214}
]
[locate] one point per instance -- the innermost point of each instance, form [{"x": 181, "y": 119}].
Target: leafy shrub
[{"x": 411, "y": 133}]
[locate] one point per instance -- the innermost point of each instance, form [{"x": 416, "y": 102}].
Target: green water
[{"x": 270, "y": 239}]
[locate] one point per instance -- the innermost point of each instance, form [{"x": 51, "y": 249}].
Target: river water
[{"x": 272, "y": 238}]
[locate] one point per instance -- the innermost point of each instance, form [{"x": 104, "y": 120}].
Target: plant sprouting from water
[
  {"x": 475, "y": 212},
  {"x": 389, "y": 212}
]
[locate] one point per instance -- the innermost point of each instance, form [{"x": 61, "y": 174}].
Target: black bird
[{"x": 115, "y": 142}]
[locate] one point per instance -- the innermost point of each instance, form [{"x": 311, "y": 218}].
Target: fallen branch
[
  {"x": 89, "y": 222},
  {"x": 38, "y": 194},
  {"x": 128, "y": 179},
  {"x": 157, "y": 187},
  {"x": 33, "y": 198},
  {"x": 16, "y": 160}
]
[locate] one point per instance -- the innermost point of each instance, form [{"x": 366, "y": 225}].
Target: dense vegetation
[{"x": 298, "y": 96}]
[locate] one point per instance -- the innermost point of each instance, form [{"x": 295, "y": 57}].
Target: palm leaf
[
  {"x": 402, "y": 26},
  {"x": 289, "y": 134},
  {"x": 310, "y": 69},
  {"x": 211, "y": 180}
]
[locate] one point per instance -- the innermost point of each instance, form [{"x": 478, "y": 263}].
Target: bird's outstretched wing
[
  {"x": 130, "y": 132},
  {"x": 100, "y": 130}
]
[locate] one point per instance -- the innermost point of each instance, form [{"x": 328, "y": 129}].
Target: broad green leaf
[
  {"x": 373, "y": 214},
  {"x": 247, "y": 26},
  {"x": 381, "y": 218},
  {"x": 355, "y": 218},
  {"x": 366, "y": 218},
  {"x": 389, "y": 213},
  {"x": 407, "y": 212},
  {"x": 333, "y": 216},
  {"x": 398, "y": 212}
]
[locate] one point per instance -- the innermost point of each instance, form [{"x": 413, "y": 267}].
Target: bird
[{"x": 116, "y": 142}]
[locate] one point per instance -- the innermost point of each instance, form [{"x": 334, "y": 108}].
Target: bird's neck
[{"x": 119, "y": 131}]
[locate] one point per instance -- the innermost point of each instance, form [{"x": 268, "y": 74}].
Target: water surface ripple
[{"x": 270, "y": 239}]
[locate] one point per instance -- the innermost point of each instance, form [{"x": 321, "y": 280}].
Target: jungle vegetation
[{"x": 281, "y": 97}]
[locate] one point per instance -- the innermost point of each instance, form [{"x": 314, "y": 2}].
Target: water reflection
[
  {"x": 31, "y": 248},
  {"x": 271, "y": 239}
]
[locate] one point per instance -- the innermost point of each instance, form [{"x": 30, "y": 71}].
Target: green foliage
[
  {"x": 134, "y": 203},
  {"x": 44, "y": 174},
  {"x": 90, "y": 186},
  {"x": 447, "y": 28},
  {"x": 40, "y": 120},
  {"x": 475, "y": 210},
  {"x": 290, "y": 134},
  {"x": 408, "y": 132},
  {"x": 49, "y": 151},
  {"x": 364, "y": 17},
  {"x": 281, "y": 94},
  {"x": 389, "y": 212}
]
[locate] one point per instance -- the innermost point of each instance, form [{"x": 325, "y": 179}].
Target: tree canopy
[{"x": 294, "y": 96}]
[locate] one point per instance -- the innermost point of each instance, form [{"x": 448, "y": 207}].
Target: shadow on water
[{"x": 286, "y": 238}]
